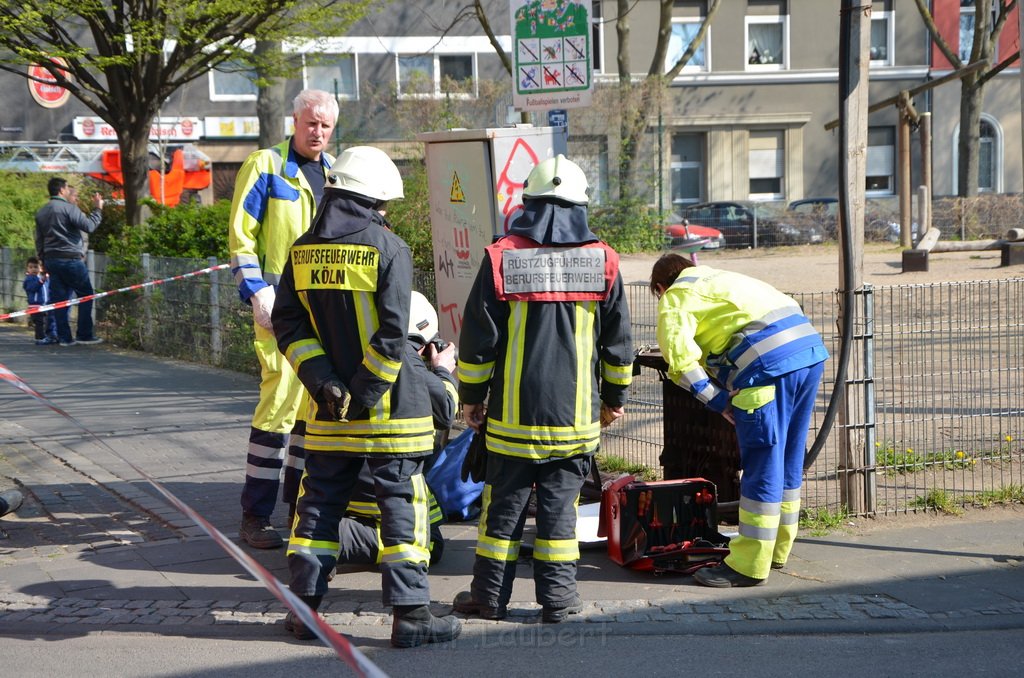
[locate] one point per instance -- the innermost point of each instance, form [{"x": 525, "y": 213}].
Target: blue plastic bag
[{"x": 456, "y": 497}]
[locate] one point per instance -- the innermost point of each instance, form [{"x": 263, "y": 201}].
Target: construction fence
[{"x": 934, "y": 389}]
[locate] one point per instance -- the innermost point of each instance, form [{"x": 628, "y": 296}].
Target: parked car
[
  {"x": 824, "y": 212},
  {"x": 749, "y": 224},
  {"x": 681, "y": 232}
]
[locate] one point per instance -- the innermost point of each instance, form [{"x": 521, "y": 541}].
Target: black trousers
[{"x": 555, "y": 551}]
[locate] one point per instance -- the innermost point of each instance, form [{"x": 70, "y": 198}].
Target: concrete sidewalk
[{"x": 95, "y": 548}]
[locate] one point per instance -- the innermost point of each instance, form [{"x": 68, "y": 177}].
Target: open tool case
[{"x": 664, "y": 526}]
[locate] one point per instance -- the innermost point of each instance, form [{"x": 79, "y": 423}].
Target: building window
[
  {"x": 335, "y": 73},
  {"x": 967, "y": 15},
  {"x": 767, "y": 40},
  {"x": 434, "y": 75},
  {"x": 990, "y": 156},
  {"x": 683, "y": 33},
  {"x": 881, "y": 160},
  {"x": 883, "y": 37},
  {"x": 597, "y": 44},
  {"x": 766, "y": 164},
  {"x": 232, "y": 81},
  {"x": 687, "y": 167}
]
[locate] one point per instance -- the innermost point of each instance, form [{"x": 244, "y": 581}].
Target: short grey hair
[{"x": 316, "y": 98}]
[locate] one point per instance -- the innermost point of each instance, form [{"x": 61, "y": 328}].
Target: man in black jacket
[{"x": 59, "y": 244}]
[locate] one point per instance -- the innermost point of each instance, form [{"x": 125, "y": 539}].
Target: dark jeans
[{"x": 67, "y": 276}]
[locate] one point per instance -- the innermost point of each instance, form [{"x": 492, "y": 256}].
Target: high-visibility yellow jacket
[
  {"x": 721, "y": 331},
  {"x": 273, "y": 205},
  {"x": 546, "y": 334}
]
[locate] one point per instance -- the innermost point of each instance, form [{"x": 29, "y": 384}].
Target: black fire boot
[
  {"x": 414, "y": 625},
  {"x": 294, "y": 626}
]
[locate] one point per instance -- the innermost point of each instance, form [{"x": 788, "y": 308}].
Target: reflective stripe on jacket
[
  {"x": 272, "y": 206},
  {"x": 342, "y": 311},
  {"x": 723, "y": 330},
  {"x": 547, "y": 364}
]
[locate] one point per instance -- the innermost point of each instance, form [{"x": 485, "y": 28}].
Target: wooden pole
[
  {"x": 854, "y": 467},
  {"x": 905, "y": 191}
]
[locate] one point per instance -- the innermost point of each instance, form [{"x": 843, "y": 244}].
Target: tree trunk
[
  {"x": 270, "y": 108},
  {"x": 969, "y": 143},
  {"x": 134, "y": 146}
]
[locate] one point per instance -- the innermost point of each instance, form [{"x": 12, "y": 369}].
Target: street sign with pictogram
[{"x": 551, "y": 51}]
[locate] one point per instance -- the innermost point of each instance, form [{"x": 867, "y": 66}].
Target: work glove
[
  {"x": 263, "y": 305},
  {"x": 335, "y": 398},
  {"x": 475, "y": 464}
]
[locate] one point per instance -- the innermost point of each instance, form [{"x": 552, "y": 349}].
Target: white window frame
[
  {"x": 780, "y": 164},
  {"x": 671, "y": 58},
  {"x": 214, "y": 96},
  {"x": 997, "y": 156},
  {"x": 890, "y": 37},
  {"x": 892, "y": 165},
  {"x": 436, "y": 75},
  {"x": 783, "y": 21},
  {"x": 597, "y": 34},
  {"x": 342, "y": 96}
]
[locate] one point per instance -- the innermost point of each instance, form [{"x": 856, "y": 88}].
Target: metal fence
[{"x": 935, "y": 388}]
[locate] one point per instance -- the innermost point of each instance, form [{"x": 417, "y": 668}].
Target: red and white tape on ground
[
  {"x": 331, "y": 638},
  {"x": 71, "y": 302}
]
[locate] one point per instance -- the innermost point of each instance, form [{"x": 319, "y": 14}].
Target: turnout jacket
[
  {"x": 342, "y": 311},
  {"x": 546, "y": 336},
  {"x": 721, "y": 331},
  {"x": 273, "y": 205}
]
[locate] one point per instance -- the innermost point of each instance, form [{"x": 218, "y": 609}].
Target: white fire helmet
[
  {"x": 422, "y": 319},
  {"x": 557, "y": 177},
  {"x": 367, "y": 171}
]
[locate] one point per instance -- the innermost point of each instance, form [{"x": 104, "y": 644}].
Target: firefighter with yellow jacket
[
  {"x": 545, "y": 356},
  {"x": 276, "y": 194},
  {"x": 341, "y": 319}
]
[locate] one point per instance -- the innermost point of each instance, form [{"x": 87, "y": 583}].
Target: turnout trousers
[
  {"x": 772, "y": 442},
  {"x": 324, "y": 492},
  {"x": 280, "y": 395},
  {"x": 503, "y": 515}
]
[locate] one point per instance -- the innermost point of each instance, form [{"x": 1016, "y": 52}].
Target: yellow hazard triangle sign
[{"x": 456, "y": 193}]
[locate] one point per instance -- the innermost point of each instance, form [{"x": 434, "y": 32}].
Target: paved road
[{"x": 96, "y": 551}]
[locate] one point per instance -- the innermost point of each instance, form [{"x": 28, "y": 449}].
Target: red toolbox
[{"x": 663, "y": 526}]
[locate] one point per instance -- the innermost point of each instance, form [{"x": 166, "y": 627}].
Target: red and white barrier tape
[
  {"x": 331, "y": 638},
  {"x": 71, "y": 302}
]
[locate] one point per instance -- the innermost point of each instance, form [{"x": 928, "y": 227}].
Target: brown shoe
[
  {"x": 722, "y": 576},
  {"x": 257, "y": 532}
]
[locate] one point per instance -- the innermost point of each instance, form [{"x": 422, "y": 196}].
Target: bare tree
[
  {"x": 638, "y": 97},
  {"x": 972, "y": 85},
  {"x": 124, "y": 58}
]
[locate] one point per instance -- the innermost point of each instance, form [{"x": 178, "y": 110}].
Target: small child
[{"x": 37, "y": 288}]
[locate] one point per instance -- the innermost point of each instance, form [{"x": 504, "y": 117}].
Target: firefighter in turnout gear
[
  {"x": 341, "y": 319},
  {"x": 276, "y": 194},
  {"x": 546, "y": 344},
  {"x": 747, "y": 351},
  {"x": 360, "y": 527}
]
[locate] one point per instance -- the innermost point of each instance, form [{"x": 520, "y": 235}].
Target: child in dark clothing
[{"x": 37, "y": 288}]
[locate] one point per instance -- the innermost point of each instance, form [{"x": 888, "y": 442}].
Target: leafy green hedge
[
  {"x": 629, "y": 226},
  {"x": 20, "y": 196}
]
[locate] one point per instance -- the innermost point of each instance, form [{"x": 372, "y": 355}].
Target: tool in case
[{"x": 663, "y": 526}]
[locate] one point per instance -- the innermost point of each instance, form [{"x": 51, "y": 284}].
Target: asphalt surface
[{"x": 95, "y": 549}]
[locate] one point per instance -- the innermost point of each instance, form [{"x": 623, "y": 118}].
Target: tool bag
[{"x": 664, "y": 526}]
